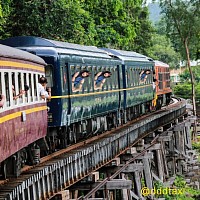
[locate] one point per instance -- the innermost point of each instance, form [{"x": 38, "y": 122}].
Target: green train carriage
[{"x": 137, "y": 95}]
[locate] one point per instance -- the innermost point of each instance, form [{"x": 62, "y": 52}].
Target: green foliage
[
  {"x": 144, "y": 32},
  {"x": 4, "y": 14},
  {"x": 183, "y": 24},
  {"x": 111, "y": 23},
  {"x": 184, "y": 90},
  {"x": 185, "y": 76},
  {"x": 61, "y": 20},
  {"x": 143, "y": 183},
  {"x": 196, "y": 146},
  {"x": 179, "y": 182},
  {"x": 181, "y": 190},
  {"x": 162, "y": 50},
  {"x": 115, "y": 22}
]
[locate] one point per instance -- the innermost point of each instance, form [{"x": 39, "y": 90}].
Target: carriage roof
[
  {"x": 9, "y": 52},
  {"x": 127, "y": 55},
  {"x": 60, "y": 47}
]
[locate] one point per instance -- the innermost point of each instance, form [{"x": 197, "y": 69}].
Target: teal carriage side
[
  {"x": 138, "y": 75},
  {"x": 93, "y": 107},
  {"x": 85, "y": 87}
]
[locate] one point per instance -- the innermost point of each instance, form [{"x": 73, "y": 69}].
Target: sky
[{"x": 150, "y": 1}]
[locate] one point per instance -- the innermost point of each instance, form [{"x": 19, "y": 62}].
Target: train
[
  {"x": 24, "y": 120},
  {"x": 93, "y": 90}
]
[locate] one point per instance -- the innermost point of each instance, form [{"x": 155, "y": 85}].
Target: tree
[
  {"x": 113, "y": 25},
  {"x": 162, "y": 50},
  {"x": 106, "y": 23},
  {"x": 4, "y": 14},
  {"x": 144, "y": 32},
  {"x": 185, "y": 76},
  {"x": 121, "y": 24},
  {"x": 61, "y": 20},
  {"x": 183, "y": 24}
]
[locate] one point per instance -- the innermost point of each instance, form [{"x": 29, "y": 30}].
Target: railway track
[{"x": 63, "y": 168}]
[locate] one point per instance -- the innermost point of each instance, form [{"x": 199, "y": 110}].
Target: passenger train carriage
[
  {"x": 137, "y": 95},
  {"x": 22, "y": 120},
  {"x": 163, "y": 90}
]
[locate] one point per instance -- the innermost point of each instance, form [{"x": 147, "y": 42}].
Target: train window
[
  {"x": 19, "y": 80},
  {"x": 112, "y": 81},
  {"x": 3, "y": 87},
  {"x": 135, "y": 77},
  {"x": 149, "y": 77},
  {"x": 138, "y": 70},
  {"x": 49, "y": 75},
  {"x": 103, "y": 82},
  {"x": 79, "y": 76},
  {"x": 0, "y": 84},
  {"x": 25, "y": 82},
  {"x": 101, "y": 77},
  {"x": 109, "y": 81},
  {"x": 114, "y": 78},
  {"x": 128, "y": 77},
  {"x": 18, "y": 84},
  {"x": 84, "y": 80},
  {"x": 1, "y": 93},
  {"x": 35, "y": 81},
  {"x": 132, "y": 77},
  {"x": 15, "y": 88},
  {"x": 72, "y": 68},
  {"x": 8, "y": 89},
  {"x": 96, "y": 75},
  {"x": 138, "y": 75},
  {"x": 63, "y": 75},
  {"x": 160, "y": 77},
  {"x": 31, "y": 88},
  {"x": 89, "y": 79},
  {"x": 63, "y": 78},
  {"x": 145, "y": 76},
  {"x": 38, "y": 77}
]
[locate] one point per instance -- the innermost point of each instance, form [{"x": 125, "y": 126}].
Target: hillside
[{"x": 154, "y": 10}]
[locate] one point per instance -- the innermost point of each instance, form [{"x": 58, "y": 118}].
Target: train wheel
[
  {"x": 3, "y": 171},
  {"x": 63, "y": 137},
  {"x": 168, "y": 99},
  {"x": 11, "y": 167}
]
